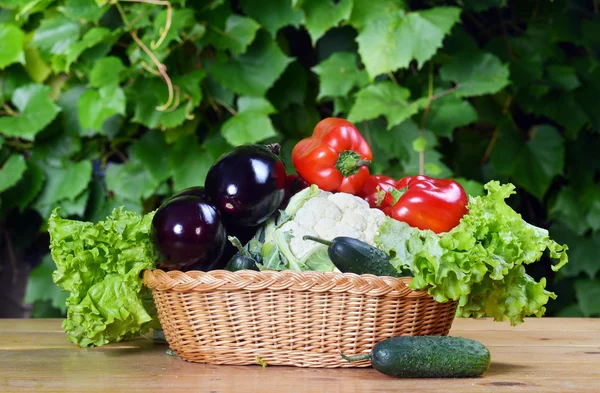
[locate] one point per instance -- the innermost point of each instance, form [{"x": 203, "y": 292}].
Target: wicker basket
[{"x": 288, "y": 318}]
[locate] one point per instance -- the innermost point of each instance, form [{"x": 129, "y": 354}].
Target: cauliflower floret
[{"x": 331, "y": 215}]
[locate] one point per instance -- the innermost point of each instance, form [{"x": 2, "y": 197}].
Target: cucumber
[
  {"x": 351, "y": 255},
  {"x": 241, "y": 262},
  {"x": 243, "y": 259},
  {"x": 428, "y": 357}
]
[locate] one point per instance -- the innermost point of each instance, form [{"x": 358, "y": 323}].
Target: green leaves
[
  {"x": 253, "y": 72},
  {"x": 321, "y": 15},
  {"x": 11, "y": 50},
  {"x": 534, "y": 163},
  {"x": 387, "y": 99},
  {"x": 392, "y": 40},
  {"x": 36, "y": 111},
  {"x": 107, "y": 71},
  {"x": 251, "y": 124},
  {"x": 149, "y": 94},
  {"x": 237, "y": 33},
  {"x": 476, "y": 74},
  {"x": 66, "y": 181},
  {"x": 40, "y": 286},
  {"x": 447, "y": 113},
  {"x": 11, "y": 171},
  {"x": 130, "y": 181},
  {"x": 338, "y": 74},
  {"x": 588, "y": 293},
  {"x": 55, "y": 35},
  {"x": 273, "y": 14},
  {"x": 95, "y": 106}
]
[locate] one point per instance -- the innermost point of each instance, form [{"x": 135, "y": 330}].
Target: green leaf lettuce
[
  {"x": 100, "y": 265},
  {"x": 481, "y": 261}
]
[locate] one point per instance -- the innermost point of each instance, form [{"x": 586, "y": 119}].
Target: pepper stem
[
  {"x": 236, "y": 242},
  {"x": 397, "y": 194},
  {"x": 349, "y": 162},
  {"x": 357, "y": 358},
  {"x": 317, "y": 239}
]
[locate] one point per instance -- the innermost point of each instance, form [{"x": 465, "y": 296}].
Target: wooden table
[{"x": 546, "y": 355}]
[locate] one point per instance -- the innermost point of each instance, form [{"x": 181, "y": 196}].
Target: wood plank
[{"x": 550, "y": 355}]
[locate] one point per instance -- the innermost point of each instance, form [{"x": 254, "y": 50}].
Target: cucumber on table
[{"x": 428, "y": 357}]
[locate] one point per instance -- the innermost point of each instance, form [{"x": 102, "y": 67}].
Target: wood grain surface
[{"x": 545, "y": 355}]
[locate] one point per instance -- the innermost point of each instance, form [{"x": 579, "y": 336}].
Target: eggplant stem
[
  {"x": 356, "y": 358},
  {"x": 317, "y": 239}
]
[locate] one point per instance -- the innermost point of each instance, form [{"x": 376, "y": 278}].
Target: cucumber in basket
[
  {"x": 428, "y": 357},
  {"x": 352, "y": 255}
]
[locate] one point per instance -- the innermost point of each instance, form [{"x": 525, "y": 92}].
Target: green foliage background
[{"x": 470, "y": 89}]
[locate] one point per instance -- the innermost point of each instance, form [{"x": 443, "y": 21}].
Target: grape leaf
[
  {"x": 77, "y": 206},
  {"x": 272, "y": 14},
  {"x": 583, "y": 251},
  {"x": 560, "y": 107},
  {"x": 471, "y": 187},
  {"x": 339, "y": 74},
  {"x": 91, "y": 38},
  {"x": 25, "y": 190},
  {"x": 131, "y": 181},
  {"x": 55, "y": 35},
  {"x": 365, "y": 11},
  {"x": 532, "y": 164},
  {"x": 83, "y": 10},
  {"x": 384, "y": 98},
  {"x": 12, "y": 171},
  {"x": 483, "y": 5},
  {"x": 66, "y": 181},
  {"x": 290, "y": 88},
  {"x": 107, "y": 71},
  {"x": 563, "y": 77},
  {"x": 396, "y": 37},
  {"x": 322, "y": 15},
  {"x": 189, "y": 163},
  {"x": 238, "y": 33},
  {"x": 36, "y": 111},
  {"x": 40, "y": 286},
  {"x": 577, "y": 209},
  {"x": 255, "y": 71},
  {"x": 588, "y": 296},
  {"x": 447, "y": 113},
  {"x": 11, "y": 50},
  {"x": 397, "y": 144},
  {"x": 152, "y": 93},
  {"x": 476, "y": 74},
  {"x": 251, "y": 124},
  {"x": 95, "y": 106},
  {"x": 150, "y": 151}
]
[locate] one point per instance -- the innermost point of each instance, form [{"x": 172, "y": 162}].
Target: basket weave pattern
[{"x": 288, "y": 318}]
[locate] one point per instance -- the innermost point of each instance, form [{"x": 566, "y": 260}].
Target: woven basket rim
[{"x": 250, "y": 280}]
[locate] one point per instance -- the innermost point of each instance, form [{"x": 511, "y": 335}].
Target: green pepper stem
[
  {"x": 317, "y": 239},
  {"x": 349, "y": 163},
  {"x": 356, "y": 358},
  {"x": 236, "y": 242},
  {"x": 397, "y": 194}
]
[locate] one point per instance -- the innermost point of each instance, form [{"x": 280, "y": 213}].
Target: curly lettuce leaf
[
  {"x": 481, "y": 261},
  {"x": 101, "y": 265}
]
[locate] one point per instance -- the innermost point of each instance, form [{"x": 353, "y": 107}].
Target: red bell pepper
[
  {"x": 375, "y": 191},
  {"x": 428, "y": 203},
  {"x": 335, "y": 157}
]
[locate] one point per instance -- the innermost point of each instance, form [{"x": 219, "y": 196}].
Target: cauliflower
[{"x": 322, "y": 214}]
